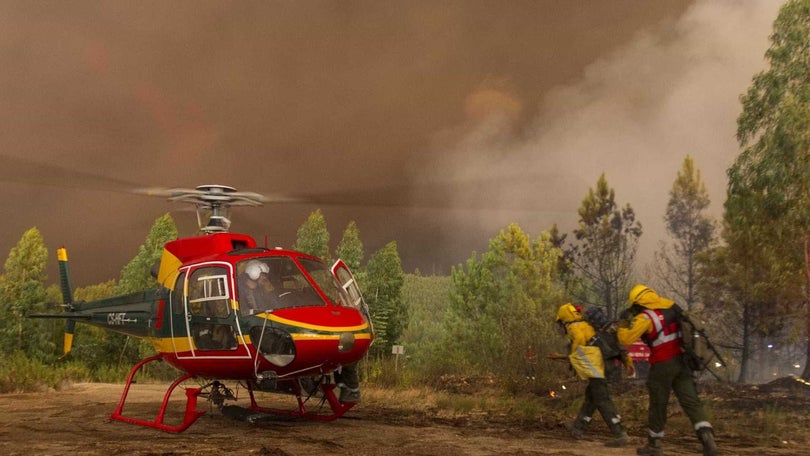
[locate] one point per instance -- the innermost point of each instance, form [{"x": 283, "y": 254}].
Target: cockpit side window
[
  {"x": 349, "y": 289},
  {"x": 178, "y": 307},
  {"x": 208, "y": 293}
]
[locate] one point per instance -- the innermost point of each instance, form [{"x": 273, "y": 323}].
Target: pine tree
[
  {"x": 313, "y": 236},
  {"x": 501, "y": 302},
  {"x": 383, "y": 294},
  {"x": 607, "y": 240},
  {"x": 137, "y": 276},
  {"x": 692, "y": 233},
  {"x": 23, "y": 292},
  {"x": 350, "y": 248}
]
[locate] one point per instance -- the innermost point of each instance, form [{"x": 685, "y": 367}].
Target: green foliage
[
  {"x": 501, "y": 304},
  {"x": 23, "y": 292},
  {"x": 52, "y": 329},
  {"x": 28, "y": 346},
  {"x": 383, "y": 294},
  {"x": 94, "y": 292},
  {"x": 137, "y": 274},
  {"x": 388, "y": 371},
  {"x": 350, "y": 248},
  {"x": 721, "y": 282},
  {"x": 313, "y": 236},
  {"x": 767, "y": 219},
  {"x": 19, "y": 373},
  {"x": 427, "y": 299},
  {"x": 607, "y": 239},
  {"x": 93, "y": 346},
  {"x": 692, "y": 233}
]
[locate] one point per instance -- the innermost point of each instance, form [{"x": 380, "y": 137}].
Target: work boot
[
  {"x": 579, "y": 426},
  {"x": 349, "y": 394},
  {"x": 653, "y": 448},
  {"x": 706, "y": 437},
  {"x": 619, "y": 434}
]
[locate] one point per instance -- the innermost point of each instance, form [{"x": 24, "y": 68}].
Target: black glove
[{"x": 625, "y": 317}]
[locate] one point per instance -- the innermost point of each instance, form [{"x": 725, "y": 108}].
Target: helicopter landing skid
[
  {"x": 327, "y": 390},
  {"x": 189, "y": 417}
]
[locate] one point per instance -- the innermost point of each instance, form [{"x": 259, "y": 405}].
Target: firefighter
[
  {"x": 654, "y": 320},
  {"x": 587, "y": 361}
]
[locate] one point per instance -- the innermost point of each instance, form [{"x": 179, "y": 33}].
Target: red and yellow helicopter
[{"x": 274, "y": 320}]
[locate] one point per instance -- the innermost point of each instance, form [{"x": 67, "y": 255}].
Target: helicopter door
[
  {"x": 348, "y": 288},
  {"x": 211, "y": 322}
]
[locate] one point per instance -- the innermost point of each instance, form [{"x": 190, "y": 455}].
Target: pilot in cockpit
[{"x": 255, "y": 291}]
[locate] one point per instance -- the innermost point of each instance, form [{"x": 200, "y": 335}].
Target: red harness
[{"x": 665, "y": 338}]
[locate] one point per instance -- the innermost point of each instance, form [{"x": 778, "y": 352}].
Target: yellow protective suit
[
  {"x": 586, "y": 360},
  {"x": 589, "y": 364},
  {"x": 640, "y": 324}
]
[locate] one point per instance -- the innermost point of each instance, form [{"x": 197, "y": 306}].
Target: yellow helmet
[
  {"x": 568, "y": 313},
  {"x": 637, "y": 292}
]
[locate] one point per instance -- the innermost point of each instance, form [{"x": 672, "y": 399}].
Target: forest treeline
[{"x": 746, "y": 277}]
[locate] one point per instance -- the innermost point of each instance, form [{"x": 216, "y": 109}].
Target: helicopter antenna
[{"x": 213, "y": 203}]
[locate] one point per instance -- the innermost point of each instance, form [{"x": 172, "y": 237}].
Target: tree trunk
[
  {"x": 806, "y": 371},
  {"x": 20, "y": 334},
  {"x": 806, "y": 239},
  {"x": 746, "y": 345}
]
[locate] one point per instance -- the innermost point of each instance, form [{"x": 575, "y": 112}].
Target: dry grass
[
  {"x": 475, "y": 403},
  {"x": 745, "y": 416}
]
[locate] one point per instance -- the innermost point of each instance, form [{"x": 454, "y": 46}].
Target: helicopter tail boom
[{"x": 128, "y": 314}]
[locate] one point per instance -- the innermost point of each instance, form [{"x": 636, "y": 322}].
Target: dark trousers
[
  {"x": 597, "y": 397},
  {"x": 672, "y": 375}
]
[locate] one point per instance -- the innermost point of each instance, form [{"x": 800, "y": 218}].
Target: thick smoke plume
[
  {"x": 634, "y": 115},
  {"x": 434, "y": 124}
]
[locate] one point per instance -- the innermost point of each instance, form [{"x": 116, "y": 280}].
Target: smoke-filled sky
[{"x": 436, "y": 124}]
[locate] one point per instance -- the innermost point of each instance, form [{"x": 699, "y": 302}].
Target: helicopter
[{"x": 272, "y": 319}]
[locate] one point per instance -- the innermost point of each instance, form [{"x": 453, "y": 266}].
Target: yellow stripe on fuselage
[
  {"x": 299, "y": 324},
  {"x": 170, "y": 344},
  {"x": 181, "y": 344},
  {"x": 306, "y": 336}
]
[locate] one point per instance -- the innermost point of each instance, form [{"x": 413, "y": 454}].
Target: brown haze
[{"x": 474, "y": 113}]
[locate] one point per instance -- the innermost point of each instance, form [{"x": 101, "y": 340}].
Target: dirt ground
[{"x": 75, "y": 420}]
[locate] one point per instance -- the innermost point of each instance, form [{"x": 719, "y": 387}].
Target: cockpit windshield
[
  {"x": 271, "y": 283},
  {"x": 323, "y": 278}
]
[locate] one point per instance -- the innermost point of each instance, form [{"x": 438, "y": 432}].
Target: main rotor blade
[
  {"x": 518, "y": 193},
  {"x": 29, "y": 172}
]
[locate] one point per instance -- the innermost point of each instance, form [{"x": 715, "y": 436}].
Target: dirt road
[{"x": 75, "y": 421}]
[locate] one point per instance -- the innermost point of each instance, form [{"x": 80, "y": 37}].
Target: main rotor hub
[{"x": 213, "y": 203}]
